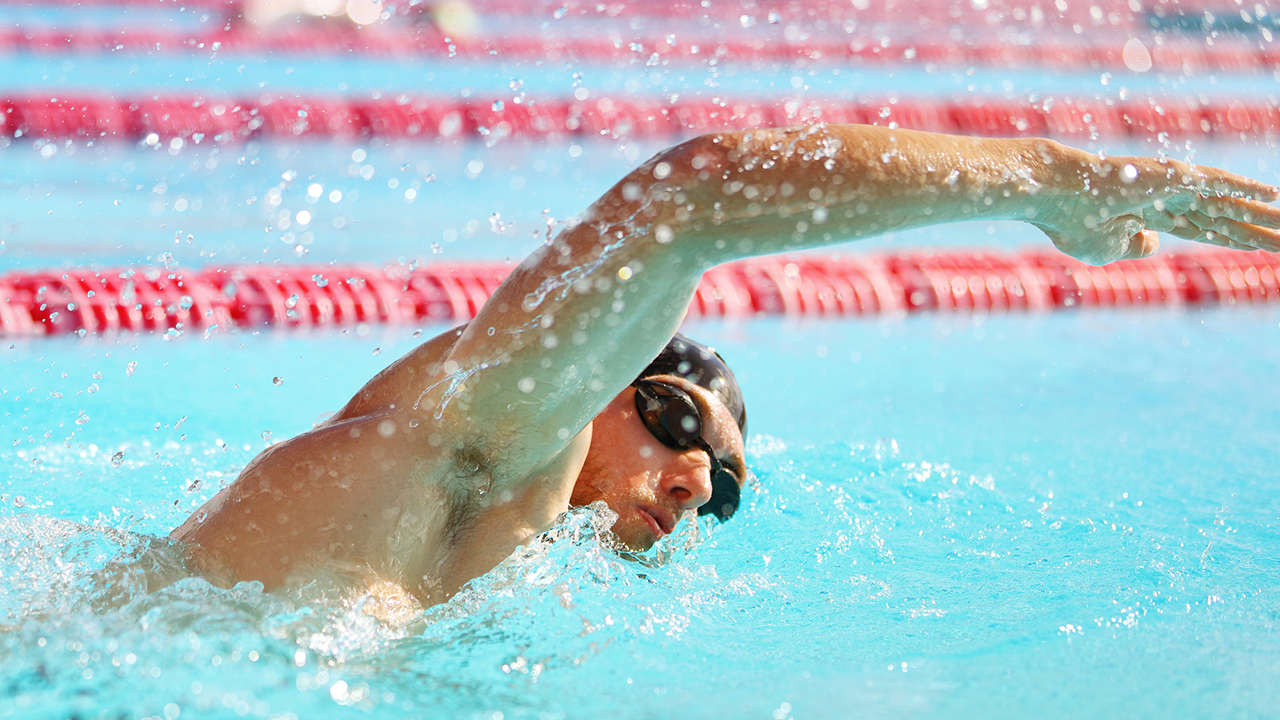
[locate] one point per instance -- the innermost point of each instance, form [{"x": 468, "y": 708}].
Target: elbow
[{"x": 690, "y": 164}]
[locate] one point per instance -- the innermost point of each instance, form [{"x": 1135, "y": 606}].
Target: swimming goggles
[{"x": 672, "y": 417}]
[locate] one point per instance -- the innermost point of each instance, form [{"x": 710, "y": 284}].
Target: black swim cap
[{"x": 703, "y": 367}]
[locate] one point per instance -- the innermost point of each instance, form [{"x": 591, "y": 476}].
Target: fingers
[
  {"x": 1243, "y": 235},
  {"x": 1238, "y": 209},
  {"x": 1209, "y": 181},
  {"x": 1144, "y": 244}
]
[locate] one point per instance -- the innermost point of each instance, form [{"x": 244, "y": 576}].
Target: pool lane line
[
  {"x": 1099, "y": 13},
  {"x": 1102, "y": 49},
  {"x": 160, "y": 119},
  {"x": 150, "y": 299}
]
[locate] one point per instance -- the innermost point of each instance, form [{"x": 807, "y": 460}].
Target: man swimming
[{"x": 474, "y": 442}]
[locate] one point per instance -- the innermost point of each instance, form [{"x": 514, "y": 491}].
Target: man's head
[
  {"x": 703, "y": 367},
  {"x": 656, "y": 449}
]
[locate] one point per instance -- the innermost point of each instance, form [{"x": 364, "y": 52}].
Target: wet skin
[{"x": 474, "y": 442}]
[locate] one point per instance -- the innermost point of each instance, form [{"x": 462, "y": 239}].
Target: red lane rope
[
  {"x": 228, "y": 119},
  {"x": 51, "y": 302},
  {"x": 1102, "y": 49},
  {"x": 1093, "y": 15}
]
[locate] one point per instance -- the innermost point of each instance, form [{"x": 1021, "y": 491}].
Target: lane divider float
[
  {"x": 151, "y": 299},
  {"x": 1103, "y": 48},
  {"x": 222, "y": 120}
]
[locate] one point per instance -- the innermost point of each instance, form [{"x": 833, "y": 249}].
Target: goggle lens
[{"x": 672, "y": 417}]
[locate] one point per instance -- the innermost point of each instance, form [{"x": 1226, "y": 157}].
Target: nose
[{"x": 688, "y": 480}]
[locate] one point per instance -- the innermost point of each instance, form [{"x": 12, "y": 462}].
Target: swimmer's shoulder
[{"x": 401, "y": 379}]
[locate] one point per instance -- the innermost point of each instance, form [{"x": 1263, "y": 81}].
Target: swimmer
[{"x": 473, "y": 443}]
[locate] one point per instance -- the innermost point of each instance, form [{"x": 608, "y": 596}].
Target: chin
[{"x": 633, "y": 538}]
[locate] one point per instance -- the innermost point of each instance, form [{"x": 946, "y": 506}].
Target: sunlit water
[
  {"x": 1068, "y": 515},
  {"x": 1072, "y": 515},
  {"x": 67, "y": 205}
]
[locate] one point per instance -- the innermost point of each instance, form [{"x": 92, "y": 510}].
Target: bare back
[{"x": 366, "y": 495}]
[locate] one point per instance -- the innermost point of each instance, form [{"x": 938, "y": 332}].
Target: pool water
[
  {"x": 68, "y": 205},
  {"x": 1066, "y": 514}
]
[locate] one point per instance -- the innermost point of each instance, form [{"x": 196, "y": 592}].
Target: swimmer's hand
[{"x": 1101, "y": 209}]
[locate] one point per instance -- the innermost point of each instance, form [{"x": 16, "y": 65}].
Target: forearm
[{"x": 749, "y": 193}]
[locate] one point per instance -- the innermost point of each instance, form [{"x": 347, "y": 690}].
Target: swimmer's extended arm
[
  {"x": 794, "y": 188},
  {"x": 577, "y": 320}
]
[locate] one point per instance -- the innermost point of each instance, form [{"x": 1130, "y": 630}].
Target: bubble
[{"x": 277, "y": 380}]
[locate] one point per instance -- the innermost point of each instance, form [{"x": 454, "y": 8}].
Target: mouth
[{"x": 660, "y": 522}]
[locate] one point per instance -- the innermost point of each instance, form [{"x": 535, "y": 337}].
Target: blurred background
[{"x": 210, "y": 132}]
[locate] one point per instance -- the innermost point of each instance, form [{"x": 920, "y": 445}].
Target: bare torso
[{"x": 365, "y": 496}]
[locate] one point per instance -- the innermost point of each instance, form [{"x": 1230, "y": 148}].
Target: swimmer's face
[{"x": 649, "y": 485}]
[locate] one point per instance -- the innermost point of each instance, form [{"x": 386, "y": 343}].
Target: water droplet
[
  {"x": 93, "y": 388},
  {"x": 496, "y": 224},
  {"x": 266, "y": 436},
  {"x": 497, "y": 105},
  {"x": 747, "y": 21},
  {"x": 82, "y": 419},
  {"x": 560, "y": 12},
  {"x": 117, "y": 459},
  {"x": 277, "y": 380},
  {"x": 128, "y": 369},
  {"x": 377, "y": 351}
]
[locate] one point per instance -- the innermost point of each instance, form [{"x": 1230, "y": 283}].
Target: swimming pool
[
  {"x": 953, "y": 515},
  {"x": 1068, "y": 514}
]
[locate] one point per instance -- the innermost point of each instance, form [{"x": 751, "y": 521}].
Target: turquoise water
[
  {"x": 1068, "y": 515},
  {"x": 1071, "y": 514},
  {"x": 69, "y": 205}
]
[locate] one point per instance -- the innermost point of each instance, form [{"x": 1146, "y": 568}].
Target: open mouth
[{"x": 659, "y": 525}]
